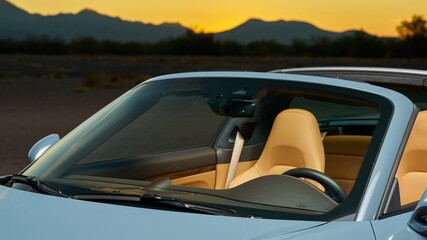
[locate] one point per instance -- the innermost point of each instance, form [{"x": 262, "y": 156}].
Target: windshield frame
[{"x": 360, "y": 90}]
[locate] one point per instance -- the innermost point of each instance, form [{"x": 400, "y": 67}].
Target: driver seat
[{"x": 294, "y": 142}]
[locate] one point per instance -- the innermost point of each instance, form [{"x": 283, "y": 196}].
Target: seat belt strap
[{"x": 235, "y": 156}]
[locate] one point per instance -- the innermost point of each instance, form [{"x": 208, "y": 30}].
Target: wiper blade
[
  {"x": 38, "y": 185},
  {"x": 156, "y": 199},
  {"x": 5, "y": 179},
  {"x": 214, "y": 210}
]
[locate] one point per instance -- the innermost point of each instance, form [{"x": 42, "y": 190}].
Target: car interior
[
  {"x": 282, "y": 129},
  {"x": 286, "y": 131},
  {"x": 344, "y": 154},
  {"x": 338, "y": 156}
]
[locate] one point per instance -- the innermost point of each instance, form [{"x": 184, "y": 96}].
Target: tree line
[{"x": 412, "y": 42}]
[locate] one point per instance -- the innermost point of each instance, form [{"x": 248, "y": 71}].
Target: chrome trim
[
  {"x": 410, "y": 77},
  {"x": 400, "y": 71}
]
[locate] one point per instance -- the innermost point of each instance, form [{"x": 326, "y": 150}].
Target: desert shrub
[
  {"x": 413, "y": 43},
  {"x": 93, "y": 80}
]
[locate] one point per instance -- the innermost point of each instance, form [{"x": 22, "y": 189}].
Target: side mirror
[
  {"x": 42, "y": 146},
  {"x": 418, "y": 221}
]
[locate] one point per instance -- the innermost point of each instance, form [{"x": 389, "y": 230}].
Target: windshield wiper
[
  {"x": 214, "y": 210},
  {"x": 37, "y": 184},
  {"x": 156, "y": 199}
]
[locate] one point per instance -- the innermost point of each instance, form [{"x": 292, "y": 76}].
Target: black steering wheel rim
[{"x": 332, "y": 188}]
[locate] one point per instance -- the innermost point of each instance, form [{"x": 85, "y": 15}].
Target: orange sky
[{"x": 378, "y": 17}]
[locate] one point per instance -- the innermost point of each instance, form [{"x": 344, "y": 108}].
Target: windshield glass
[{"x": 178, "y": 135}]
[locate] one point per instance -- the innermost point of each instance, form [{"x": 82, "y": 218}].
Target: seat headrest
[
  {"x": 412, "y": 171},
  {"x": 419, "y": 133},
  {"x": 294, "y": 141},
  {"x": 414, "y": 157}
]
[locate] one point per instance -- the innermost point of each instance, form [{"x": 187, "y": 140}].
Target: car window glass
[
  {"x": 138, "y": 139},
  {"x": 334, "y": 110},
  {"x": 174, "y": 123}
]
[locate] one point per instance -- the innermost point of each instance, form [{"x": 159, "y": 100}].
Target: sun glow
[{"x": 377, "y": 17}]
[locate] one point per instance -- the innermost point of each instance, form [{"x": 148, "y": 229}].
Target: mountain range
[{"x": 16, "y": 23}]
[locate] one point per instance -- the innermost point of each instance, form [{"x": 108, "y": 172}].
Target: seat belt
[
  {"x": 235, "y": 156},
  {"x": 323, "y": 135}
]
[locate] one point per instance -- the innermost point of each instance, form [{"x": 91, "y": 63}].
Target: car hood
[{"x": 26, "y": 215}]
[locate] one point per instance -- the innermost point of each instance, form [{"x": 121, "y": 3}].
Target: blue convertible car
[{"x": 308, "y": 153}]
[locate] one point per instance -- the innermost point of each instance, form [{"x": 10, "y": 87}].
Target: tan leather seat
[
  {"x": 344, "y": 155},
  {"x": 412, "y": 171},
  {"x": 294, "y": 142}
]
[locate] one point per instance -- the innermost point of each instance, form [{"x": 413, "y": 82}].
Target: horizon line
[{"x": 197, "y": 28}]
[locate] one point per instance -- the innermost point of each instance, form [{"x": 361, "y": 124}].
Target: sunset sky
[{"x": 378, "y": 17}]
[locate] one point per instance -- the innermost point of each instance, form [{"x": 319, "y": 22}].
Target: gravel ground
[{"x": 32, "y": 108}]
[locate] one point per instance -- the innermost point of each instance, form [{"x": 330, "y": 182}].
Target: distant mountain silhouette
[
  {"x": 281, "y": 31},
  {"x": 16, "y": 23}
]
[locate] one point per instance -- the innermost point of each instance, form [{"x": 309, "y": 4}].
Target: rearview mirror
[
  {"x": 234, "y": 107},
  {"x": 241, "y": 108},
  {"x": 42, "y": 146}
]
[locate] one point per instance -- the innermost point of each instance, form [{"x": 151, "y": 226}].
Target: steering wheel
[{"x": 333, "y": 189}]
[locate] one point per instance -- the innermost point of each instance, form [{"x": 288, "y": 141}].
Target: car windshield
[{"x": 178, "y": 135}]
